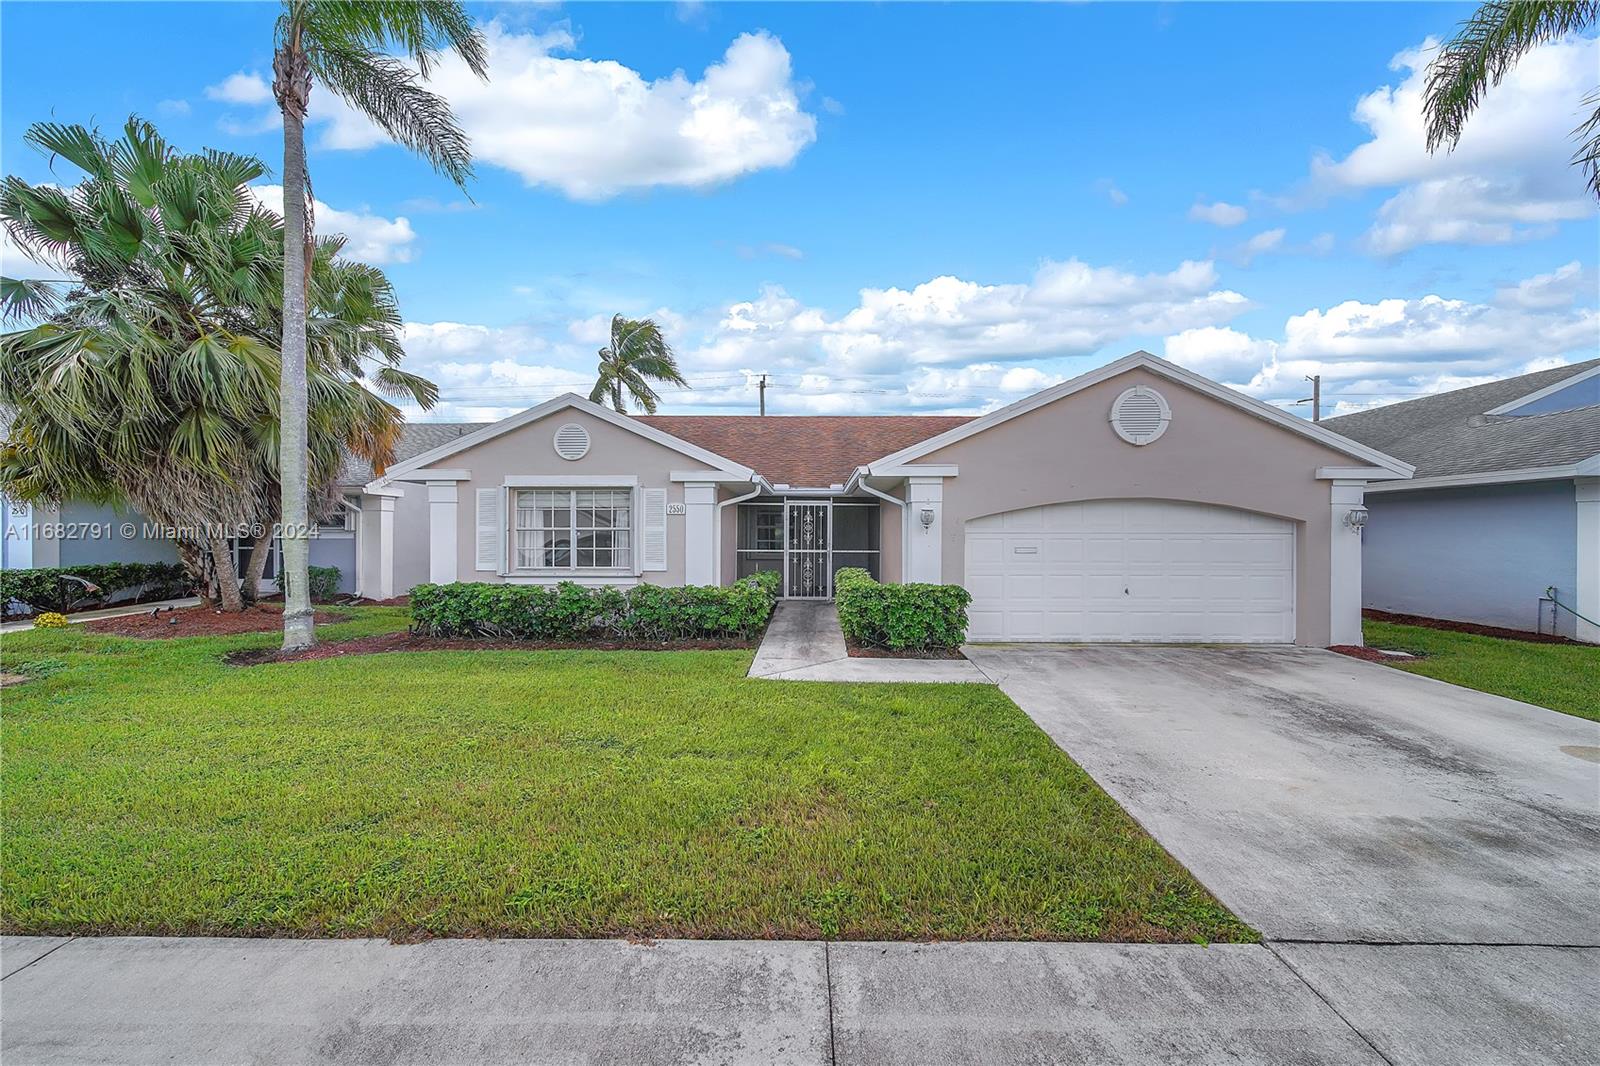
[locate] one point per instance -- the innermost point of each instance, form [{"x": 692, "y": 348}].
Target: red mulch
[
  {"x": 388, "y": 642},
  {"x": 200, "y": 621},
  {"x": 1465, "y": 627},
  {"x": 861, "y": 651}
]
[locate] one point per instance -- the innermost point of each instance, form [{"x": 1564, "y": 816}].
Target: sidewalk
[
  {"x": 803, "y": 643},
  {"x": 203, "y": 1000},
  {"x": 108, "y": 612}
]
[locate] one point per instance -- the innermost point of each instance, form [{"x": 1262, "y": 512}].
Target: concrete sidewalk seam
[
  {"x": 827, "y": 977},
  {"x": 1436, "y": 943},
  {"x": 41, "y": 958},
  {"x": 1315, "y": 991}
]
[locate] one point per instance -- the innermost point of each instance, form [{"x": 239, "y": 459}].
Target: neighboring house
[
  {"x": 1504, "y": 505},
  {"x": 1137, "y": 502}
]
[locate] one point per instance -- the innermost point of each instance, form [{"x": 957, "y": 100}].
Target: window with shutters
[{"x": 573, "y": 529}]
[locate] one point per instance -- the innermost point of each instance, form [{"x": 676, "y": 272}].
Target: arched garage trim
[{"x": 1132, "y": 569}]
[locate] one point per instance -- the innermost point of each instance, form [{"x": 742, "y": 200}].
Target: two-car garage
[{"x": 1131, "y": 570}]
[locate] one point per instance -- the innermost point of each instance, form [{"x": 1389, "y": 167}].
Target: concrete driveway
[{"x": 1327, "y": 799}]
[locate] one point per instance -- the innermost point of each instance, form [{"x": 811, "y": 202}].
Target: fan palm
[
  {"x": 1485, "y": 49},
  {"x": 342, "y": 44},
  {"x": 154, "y": 378},
  {"x": 638, "y": 354}
]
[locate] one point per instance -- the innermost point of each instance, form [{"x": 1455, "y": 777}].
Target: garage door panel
[{"x": 1131, "y": 570}]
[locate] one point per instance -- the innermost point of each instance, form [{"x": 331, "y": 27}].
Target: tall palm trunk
[
  {"x": 292, "y": 84},
  {"x": 255, "y": 566}
]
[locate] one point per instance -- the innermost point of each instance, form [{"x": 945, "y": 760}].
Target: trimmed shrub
[
  {"x": 571, "y": 612},
  {"x": 324, "y": 582},
  {"x": 899, "y": 617},
  {"x": 42, "y": 590}
]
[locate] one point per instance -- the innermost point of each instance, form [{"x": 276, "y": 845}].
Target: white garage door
[{"x": 1131, "y": 570}]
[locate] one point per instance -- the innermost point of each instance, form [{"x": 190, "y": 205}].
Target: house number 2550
[{"x": 675, "y": 508}]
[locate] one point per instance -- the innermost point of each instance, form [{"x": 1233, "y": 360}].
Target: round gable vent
[
  {"x": 572, "y": 441},
  {"x": 1140, "y": 415}
]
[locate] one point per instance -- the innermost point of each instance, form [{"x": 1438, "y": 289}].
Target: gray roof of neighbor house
[
  {"x": 415, "y": 438},
  {"x": 1452, "y": 433}
]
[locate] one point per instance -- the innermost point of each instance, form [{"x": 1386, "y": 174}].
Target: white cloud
[
  {"x": 241, "y": 88},
  {"x": 596, "y": 128},
  {"x": 1219, "y": 213},
  {"x": 1389, "y": 349},
  {"x": 1266, "y": 241},
  {"x": 1117, "y": 197},
  {"x": 371, "y": 238},
  {"x": 173, "y": 107},
  {"x": 773, "y": 248},
  {"x": 1510, "y": 177}
]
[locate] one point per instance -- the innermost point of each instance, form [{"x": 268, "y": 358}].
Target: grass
[
  {"x": 149, "y": 788},
  {"x": 1562, "y": 677}
]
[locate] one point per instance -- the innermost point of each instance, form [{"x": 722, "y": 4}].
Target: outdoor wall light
[
  {"x": 1355, "y": 518},
  {"x": 926, "y": 515}
]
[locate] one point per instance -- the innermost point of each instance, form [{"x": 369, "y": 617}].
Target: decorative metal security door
[{"x": 806, "y": 567}]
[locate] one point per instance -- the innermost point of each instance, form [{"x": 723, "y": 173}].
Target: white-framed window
[
  {"x": 573, "y": 529},
  {"x": 340, "y": 518}
]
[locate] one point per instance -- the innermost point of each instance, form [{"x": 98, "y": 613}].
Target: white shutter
[
  {"x": 489, "y": 523},
  {"x": 654, "y": 550}
]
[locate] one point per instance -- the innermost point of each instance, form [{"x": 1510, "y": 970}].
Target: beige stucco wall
[
  {"x": 1211, "y": 453},
  {"x": 529, "y": 450}
]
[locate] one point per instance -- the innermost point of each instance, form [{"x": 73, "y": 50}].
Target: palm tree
[
  {"x": 342, "y": 44},
  {"x": 638, "y": 354},
  {"x": 153, "y": 378},
  {"x": 1485, "y": 49}
]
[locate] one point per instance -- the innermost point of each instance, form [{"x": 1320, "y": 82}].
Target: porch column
[
  {"x": 1588, "y": 592},
  {"x": 377, "y": 556},
  {"x": 1344, "y": 563},
  {"x": 442, "y": 526},
  {"x": 699, "y": 533},
  {"x": 924, "y": 516}
]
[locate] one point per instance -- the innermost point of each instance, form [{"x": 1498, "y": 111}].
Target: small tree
[{"x": 637, "y": 355}]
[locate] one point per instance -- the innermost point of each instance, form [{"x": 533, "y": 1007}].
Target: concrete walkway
[
  {"x": 108, "y": 612},
  {"x": 137, "y": 1000},
  {"x": 803, "y": 643}
]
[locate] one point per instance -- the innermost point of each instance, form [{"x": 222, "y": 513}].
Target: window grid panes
[{"x": 567, "y": 529}]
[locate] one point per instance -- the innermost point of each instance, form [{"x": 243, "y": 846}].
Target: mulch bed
[
  {"x": 388, "y": 642},
  {"x": 201, "y": 621},
  {"x": 1466, "y": 627},
  {"x": 861, "y": 651}
]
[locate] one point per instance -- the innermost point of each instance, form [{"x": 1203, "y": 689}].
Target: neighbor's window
[{"x": 570, "y": 529}]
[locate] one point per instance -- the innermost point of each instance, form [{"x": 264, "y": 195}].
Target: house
[
  {"x": 1138, "y": 502},
  {"x": 1505, "y": 503}
]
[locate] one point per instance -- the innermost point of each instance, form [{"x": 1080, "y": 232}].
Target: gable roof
[
  {"x": 1173, "y": 372},
  {"x": 1452, "y": 434},
  {"x": 563, "y": 402},
  {"x": 804, "y": 451},
  {"x": 415, "y": 438}
]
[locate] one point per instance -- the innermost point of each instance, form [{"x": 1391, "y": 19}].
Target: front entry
[{"x": 807, "y": 558}]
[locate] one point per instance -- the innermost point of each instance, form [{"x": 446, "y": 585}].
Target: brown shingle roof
[{"x": 804, "y": 451}]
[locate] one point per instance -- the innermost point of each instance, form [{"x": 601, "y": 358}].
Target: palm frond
[
  {"x": 23, "y": 300},
  {"x": 391, "y": 95}
]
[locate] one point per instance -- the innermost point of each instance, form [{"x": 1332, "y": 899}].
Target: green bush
[
  {"x": 324, "y": 582},
  {"x": 900, "y": 617},
  {"x": 40, "y": 589},
  {"x": 571, "y": 612}
]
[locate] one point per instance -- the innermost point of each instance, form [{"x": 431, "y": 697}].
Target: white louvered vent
[
  {"x": 572, "y": 441},
  {"x": 1140, "y": 415}
]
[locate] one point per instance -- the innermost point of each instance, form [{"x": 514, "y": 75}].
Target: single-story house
[
  {"x": 1138, "y": 502},
  {"x": 1505, "y": 503}
]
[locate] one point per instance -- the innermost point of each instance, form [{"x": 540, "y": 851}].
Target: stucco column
[
  {"x": 699, "y": 533},
  {"x": 1588, "y": 591},
  {"x": 442, "y": 526},
  {"x": 377, "y": 552},
  {"x": 925, "y": 517},
  {"x": 1344, "y": 563}
]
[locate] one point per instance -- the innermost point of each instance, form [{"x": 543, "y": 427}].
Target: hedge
[
  {"x": 41, "y": 590},
  {"x": 900, "y": 617},
  {"x": 572, "y": 612}
]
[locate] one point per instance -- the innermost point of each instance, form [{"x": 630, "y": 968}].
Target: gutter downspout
[
  {"x": 861, "y": 482},
  {"x": 716, "y": 534}
]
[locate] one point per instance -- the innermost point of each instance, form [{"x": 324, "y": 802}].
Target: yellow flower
[{"x": 50, "y": 620}]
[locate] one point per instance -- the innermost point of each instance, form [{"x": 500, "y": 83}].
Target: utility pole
[
  {"x": 1316, "y": 396},
  {"x": 763, "y": 387}
]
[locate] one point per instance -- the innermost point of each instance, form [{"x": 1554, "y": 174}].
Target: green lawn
[
  {"x": 149, "y": 788},
  {"x": 1563, "y": 677}
]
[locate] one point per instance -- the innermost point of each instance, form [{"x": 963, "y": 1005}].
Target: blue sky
[{"x": 902, "y": 207}]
